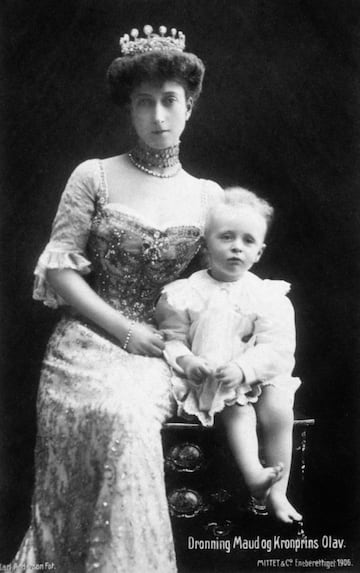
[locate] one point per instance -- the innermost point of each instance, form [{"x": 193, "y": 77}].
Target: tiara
[{"x": 152, "y": 41}]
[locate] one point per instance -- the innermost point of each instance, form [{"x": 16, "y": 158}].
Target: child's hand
[
  {"x": 195, "y": 368},
  {"x": 230, "y": 375}
]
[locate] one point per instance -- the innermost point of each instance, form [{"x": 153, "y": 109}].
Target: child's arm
[
  {"x": 275, "y": 339},
  {"x": 173, "y": 318},
  {"x": 175, "y": 324}
]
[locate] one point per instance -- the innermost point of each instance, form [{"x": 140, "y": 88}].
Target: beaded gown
[{"x": 99, "y": 502}]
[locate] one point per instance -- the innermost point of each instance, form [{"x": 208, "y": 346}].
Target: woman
[{"x": 131, "y": 223}]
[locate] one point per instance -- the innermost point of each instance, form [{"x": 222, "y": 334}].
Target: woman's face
[{"x": 159, "y": 113}]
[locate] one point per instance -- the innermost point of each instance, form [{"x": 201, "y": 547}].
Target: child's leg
[
  {"x": 275, "y": 418},
  {"x": 240, "y": 425}
]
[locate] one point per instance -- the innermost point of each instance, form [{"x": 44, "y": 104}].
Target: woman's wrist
[
  {"x": 128, "y": 335},
  {"x": 118, "y": 325},
  {"x": 73, "y": 288}
]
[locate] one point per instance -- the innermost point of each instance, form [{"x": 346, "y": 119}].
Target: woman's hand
[
  {"x": 230, "y": 375},
  {"x": 195, "y": 368},
  {"x": 145, "y": 340}
]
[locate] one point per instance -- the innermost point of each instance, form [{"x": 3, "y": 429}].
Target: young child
[{"x": 231, "y": 337}]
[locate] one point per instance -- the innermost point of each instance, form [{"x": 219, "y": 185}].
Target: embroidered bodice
[
  {"x": 132, "y": 261},
  {"x": 127, "y": 259}
]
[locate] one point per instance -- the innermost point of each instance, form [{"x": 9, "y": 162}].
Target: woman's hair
[
  {"x": 238, "y": 197},
  {"x": 127, "y": 72}
]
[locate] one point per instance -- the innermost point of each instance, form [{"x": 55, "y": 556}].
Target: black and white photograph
[{"x": 180, "y": 320}]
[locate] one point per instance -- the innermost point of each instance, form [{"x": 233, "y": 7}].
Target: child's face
[{"x": 235, "y": 241}]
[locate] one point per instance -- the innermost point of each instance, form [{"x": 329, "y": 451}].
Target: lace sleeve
[
  {"x": 70, "y": 231},
  {"x": 214, "y": 192}
]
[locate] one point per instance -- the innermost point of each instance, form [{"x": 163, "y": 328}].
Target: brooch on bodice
[
  {"x": 150, "y": 247},
  {"x": 153, "y": 248}
]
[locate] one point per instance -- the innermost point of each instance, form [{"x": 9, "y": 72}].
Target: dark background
[{"x": 279, "y": 114}]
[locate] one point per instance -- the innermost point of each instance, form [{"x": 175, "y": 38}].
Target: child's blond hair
[{"x": 237, "y": 197}]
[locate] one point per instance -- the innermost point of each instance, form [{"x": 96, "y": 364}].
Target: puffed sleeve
[
  {"x": 274, "y": 340},
  {"x": 214, "y": 192},
  {"x": 70, "y": 231},
  {"x": 173, "y": 319}
]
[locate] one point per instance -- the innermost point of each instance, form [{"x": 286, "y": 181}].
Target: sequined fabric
[
  {"x": 121, "y": 248},
  {"x": 99, "y": 502}
]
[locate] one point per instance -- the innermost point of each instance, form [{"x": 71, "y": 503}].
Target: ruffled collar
[
  {"x": 253, "y": 293},
  {"x": 249, "y": 295},
  {"x": 248, "y": 279}
]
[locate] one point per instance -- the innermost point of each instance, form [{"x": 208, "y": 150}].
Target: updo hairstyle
[{"x": 128, "y": 72}]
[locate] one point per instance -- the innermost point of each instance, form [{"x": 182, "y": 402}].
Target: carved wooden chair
[{"x": 206, "y": 495}]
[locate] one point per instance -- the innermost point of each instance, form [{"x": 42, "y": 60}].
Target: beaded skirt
[{"x": 99, "y": 500}]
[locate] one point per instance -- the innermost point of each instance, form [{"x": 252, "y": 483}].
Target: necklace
[
  {"x": 146, "y": 158},
  {"x": 150, "y": 171}
]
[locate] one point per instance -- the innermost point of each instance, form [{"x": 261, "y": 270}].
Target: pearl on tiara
[{"x": 152, "y": 42}]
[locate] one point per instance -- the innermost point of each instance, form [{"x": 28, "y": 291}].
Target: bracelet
[{"x": 128, "y": 335}]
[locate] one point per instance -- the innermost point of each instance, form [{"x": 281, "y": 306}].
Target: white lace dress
[
  {"x": 99, "y": 502},
  {"x": 249, "y": 321}
]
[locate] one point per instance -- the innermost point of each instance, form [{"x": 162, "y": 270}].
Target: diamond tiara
[{"x": 152, "y": 41}]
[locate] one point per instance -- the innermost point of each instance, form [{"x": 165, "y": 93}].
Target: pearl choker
[{"x": 145, "y": 158}]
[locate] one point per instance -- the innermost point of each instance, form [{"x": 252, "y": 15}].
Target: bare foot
[
  {"x": 280, "y": 507},
  {"x": 261, "y": 487}
]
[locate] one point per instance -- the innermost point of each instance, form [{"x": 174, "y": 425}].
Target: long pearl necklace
[{"x": 151, "y": 172}]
